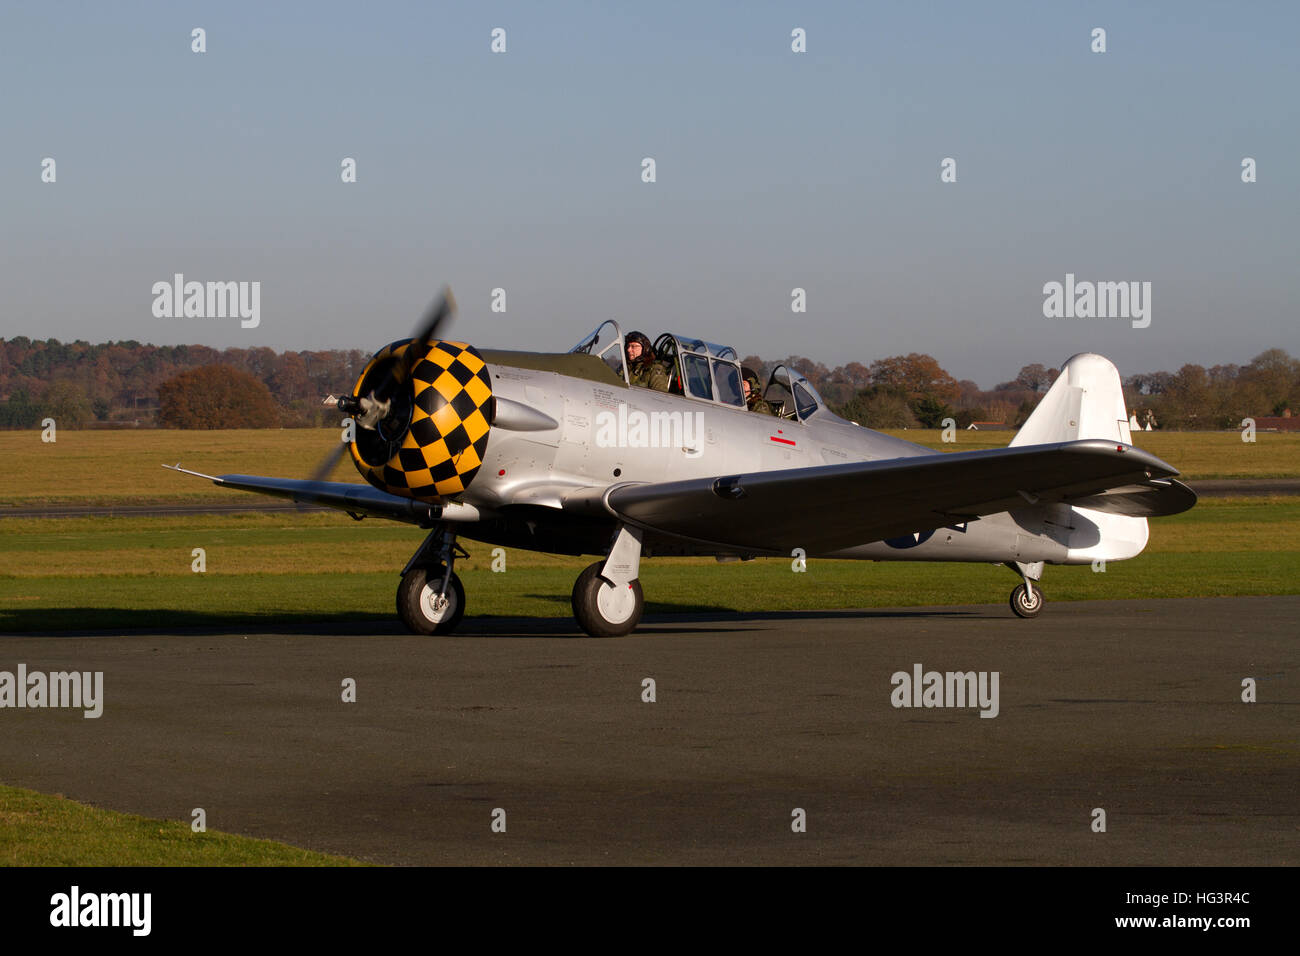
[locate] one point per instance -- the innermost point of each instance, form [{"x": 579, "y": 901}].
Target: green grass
[
  {"x": 294, "y": 571},
  {"x": 37, "y": 829},
  {"x": 300, "y": 601},
  {"x": 94, "y": 467}
]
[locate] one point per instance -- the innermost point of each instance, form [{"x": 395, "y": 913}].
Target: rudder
[{"x": 1085, "y": 401}]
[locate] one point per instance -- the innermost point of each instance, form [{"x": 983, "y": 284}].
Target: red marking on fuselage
[{"x": 783, "y": 441}]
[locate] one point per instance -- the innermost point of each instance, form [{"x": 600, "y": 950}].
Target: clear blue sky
[{"x": 775, "y": 170}]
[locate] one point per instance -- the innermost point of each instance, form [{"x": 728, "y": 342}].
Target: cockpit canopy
[
  {"x": 700, "y": 369},
  {"x": 607, "y": 344},
  {"x": 792, "y": 396},
  {"x": 707, "y": 372}
]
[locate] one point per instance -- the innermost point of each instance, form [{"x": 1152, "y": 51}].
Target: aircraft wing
[
  {"x": 838, "y": 506},
  {"x": 345, "y": 496}
]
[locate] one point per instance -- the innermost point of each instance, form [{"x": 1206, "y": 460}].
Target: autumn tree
[
  {"x": 1275, "y": 376},
  {"x": 216, "y": 396},
  {"x": 927, "y": 388},
  {"x": 1036, "y": 378},
  {"x": 18, "y": 411},
  {"x": 290, "y": 382},
  {"x": 855, "y": 373},
  {"x": 67, "y": 404},
  {"x": 879, "y": 406},
  {"x": 1185, "y": 402},
  {"x": 917, "y": 374}
]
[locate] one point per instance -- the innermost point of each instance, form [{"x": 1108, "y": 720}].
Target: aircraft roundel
[{"x": 910, "y": 540}]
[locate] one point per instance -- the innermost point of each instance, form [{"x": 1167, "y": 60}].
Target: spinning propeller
[
  {"x": 370, "y": 410},
  {"x": 422, "y": 410}
]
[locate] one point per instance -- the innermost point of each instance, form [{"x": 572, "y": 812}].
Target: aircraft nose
[
  {"x": 450, "y": 418},
  {"x": 449, "y": 394}
]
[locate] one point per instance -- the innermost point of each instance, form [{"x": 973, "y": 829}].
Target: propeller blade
[
  {"x": 323, "y": 470},
  {"x": 441, "y": 309},
  {"x": 435, "y": 317},
  {"x": 329, "y": 462},
  {"x": 433, "y": 320}
]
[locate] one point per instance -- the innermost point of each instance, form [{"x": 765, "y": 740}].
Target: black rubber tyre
[
  {"x": 1022, "y": 606},
  {"x": 600, "y": 610},
  {"x": 414, "y": 601}
]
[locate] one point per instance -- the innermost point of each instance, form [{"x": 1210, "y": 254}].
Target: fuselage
[{"x": 607, "y": 433}]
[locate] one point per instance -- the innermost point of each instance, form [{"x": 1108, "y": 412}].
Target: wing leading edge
[
  {"x": 354, "y": 499},
  {"x": 838, "y": 506}
]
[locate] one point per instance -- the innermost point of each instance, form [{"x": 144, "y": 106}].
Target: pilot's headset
[{"x": 647, "y": 351}]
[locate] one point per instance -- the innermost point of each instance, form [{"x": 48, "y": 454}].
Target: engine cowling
[{"x": 434, "y": 436}]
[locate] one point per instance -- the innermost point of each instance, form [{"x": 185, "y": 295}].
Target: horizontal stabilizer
[{"x": 1150, "y": 499}]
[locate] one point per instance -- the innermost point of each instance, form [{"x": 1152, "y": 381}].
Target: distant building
[
  {"x": 1141, "y": 422},
  {"x": 1286, "y": 422}
]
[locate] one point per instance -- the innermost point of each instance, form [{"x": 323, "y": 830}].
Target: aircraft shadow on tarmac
[{"x": 661, "y": 618}]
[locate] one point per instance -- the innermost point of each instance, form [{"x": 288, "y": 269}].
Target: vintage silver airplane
[{"x": 557, "y": 452}]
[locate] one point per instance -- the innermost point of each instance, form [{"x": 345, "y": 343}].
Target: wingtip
[{"x": 196, "y": 474}]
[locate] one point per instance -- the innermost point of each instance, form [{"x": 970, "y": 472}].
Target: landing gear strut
[
  {"x": 430, "y": 598},
  {"x": 607, "y": 599},
  {"x": 1027, "y": 600}
]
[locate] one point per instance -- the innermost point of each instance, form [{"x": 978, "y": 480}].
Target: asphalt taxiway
[{"x": 1132, "y": 707}]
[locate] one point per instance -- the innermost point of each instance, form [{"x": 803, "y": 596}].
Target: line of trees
[
  {"x": 914, "y": 391},
  {"x": 78, "y": 383}
]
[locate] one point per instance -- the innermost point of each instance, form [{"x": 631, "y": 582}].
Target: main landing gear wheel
[
  {"x": 1027, "y": 603},
  {"x": 419, "y": 607},
  {"x": 603, "y": 609}
]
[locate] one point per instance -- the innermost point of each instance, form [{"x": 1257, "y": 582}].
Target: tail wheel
[
  {"x": 603, "y": 609},
  {"x": 1026, "y": 603},
  {"x": 418, "y": 605}
]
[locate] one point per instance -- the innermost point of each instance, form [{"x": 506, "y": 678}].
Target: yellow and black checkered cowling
[{"x": 434, "y": 441}]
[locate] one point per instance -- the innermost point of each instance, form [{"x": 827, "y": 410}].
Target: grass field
[
  {"x": 37, "y": 829},
  {"x": 94, "y": 467},
  {"x": 292, "y": 570}
]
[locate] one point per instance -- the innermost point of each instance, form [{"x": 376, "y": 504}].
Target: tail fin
[{"x": 1086, "y": 401}]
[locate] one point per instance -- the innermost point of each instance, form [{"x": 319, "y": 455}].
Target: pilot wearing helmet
[
  {"x": 753, "y": 394},
  {"x": 642, "y": 369}
]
